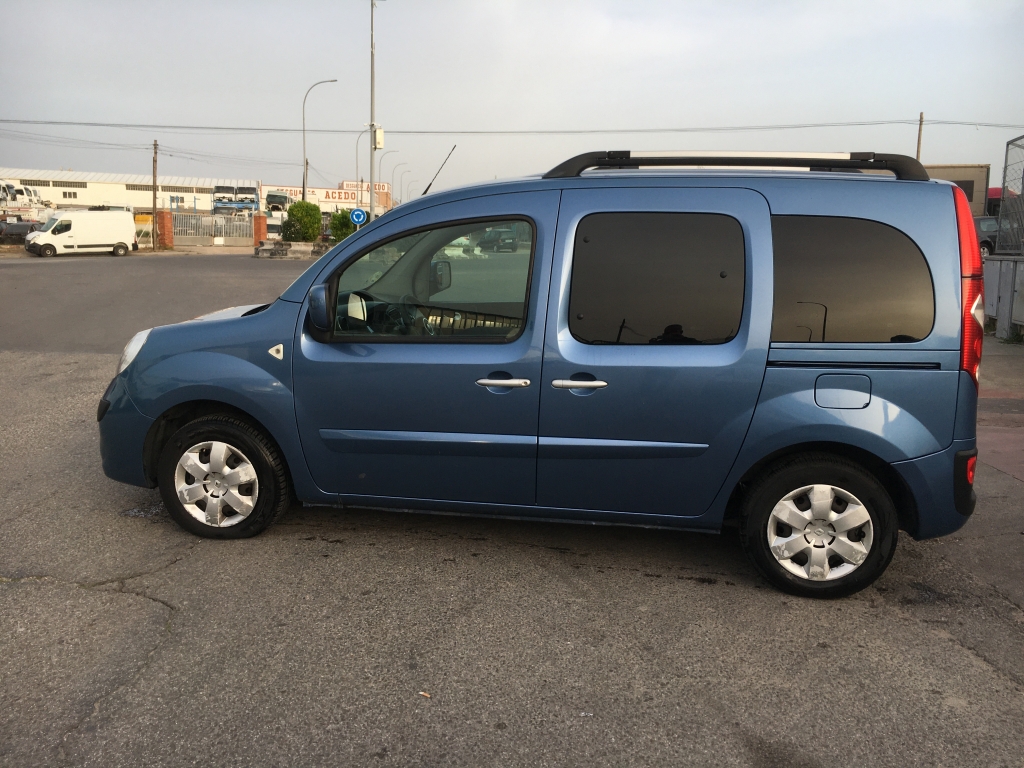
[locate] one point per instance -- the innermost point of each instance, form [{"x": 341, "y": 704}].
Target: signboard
[
  {"x": 354, "y": 185},
  {"x": 358, "y": 216}
]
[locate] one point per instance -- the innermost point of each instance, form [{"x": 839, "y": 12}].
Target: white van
[{"x": 86, "y": 232}]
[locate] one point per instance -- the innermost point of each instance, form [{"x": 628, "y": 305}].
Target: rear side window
[
  {"x": 848, "y": 280},
  {"x": 657, "y": 278}
]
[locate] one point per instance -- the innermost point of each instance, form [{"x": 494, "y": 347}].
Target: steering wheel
[{"x": 412, "y": 315}]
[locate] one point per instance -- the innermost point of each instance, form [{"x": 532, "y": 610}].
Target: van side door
[{"x": 659, "y": 319}]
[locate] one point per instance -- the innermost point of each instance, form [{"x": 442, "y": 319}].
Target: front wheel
[
  {"x": 48, "y": 251},
  {"x": 222, "y": 479},
  {"x": 819, "y": 526},
  {"x": 986, "y": 251},
  {"x": 120, "y": 249}
]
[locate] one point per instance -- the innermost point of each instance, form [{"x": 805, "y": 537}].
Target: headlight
[{"x": 132, "y": 349}]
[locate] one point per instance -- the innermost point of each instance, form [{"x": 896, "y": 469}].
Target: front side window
[
  {"x": 62, "y": 226},
  {"x": 657, "y": 278},
  {"x": 445, "y": 284},
  {"x": 848, "y": 280}
]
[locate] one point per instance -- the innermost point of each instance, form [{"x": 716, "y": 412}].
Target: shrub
[
  {"x": 303, "y": 223},
  {"x": 341, "y": 226}
]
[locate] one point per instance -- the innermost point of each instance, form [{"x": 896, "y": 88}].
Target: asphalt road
[{"x": 125, "y": 641}]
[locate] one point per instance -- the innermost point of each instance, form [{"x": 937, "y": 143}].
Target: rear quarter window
[{"x": 848, "y": 280}]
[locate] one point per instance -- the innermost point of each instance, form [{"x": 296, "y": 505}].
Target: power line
[{"x": 519, "y": 132}]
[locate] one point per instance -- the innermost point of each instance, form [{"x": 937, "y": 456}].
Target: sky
[{"x": 498, "y": 65}]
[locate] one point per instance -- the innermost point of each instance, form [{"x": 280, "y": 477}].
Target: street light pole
[
  {"x": 401, "y": 180},
  {"x": 380, "y": 165},
  {"x": 359, "y": 186},
  {"x": 393, "y": 181},
  {"x": 380, "y": 162},
  {"x": 409, "y": 188},
  {"x": 305, "y": 162}
]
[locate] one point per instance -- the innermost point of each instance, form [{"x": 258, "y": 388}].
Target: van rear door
[{"x": 655, "y": 348}]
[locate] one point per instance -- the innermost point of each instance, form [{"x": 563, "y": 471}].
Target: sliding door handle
[
  {"x": 503, "y": 382},
  {"x": 573, "y": 384}
]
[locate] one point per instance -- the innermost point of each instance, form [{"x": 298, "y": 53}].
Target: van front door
[
  {"x": 406, "y": 395},
  {"x": 63, "y": 237},
  {"x": 657, "y": 337}
]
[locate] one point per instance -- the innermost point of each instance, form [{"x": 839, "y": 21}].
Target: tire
[
  {"x": 120, "y": 249},
  {"x": 832, "y": 557},
  {"x": 249, "y": 457},
  {"x": 986, "y": 250},
  {"x": 48, "y": 251}
]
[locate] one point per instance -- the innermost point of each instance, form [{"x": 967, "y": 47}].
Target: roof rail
[{"x": 902, "y": 166}]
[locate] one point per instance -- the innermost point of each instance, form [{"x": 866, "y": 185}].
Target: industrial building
[{"x": 79, "y": 189}]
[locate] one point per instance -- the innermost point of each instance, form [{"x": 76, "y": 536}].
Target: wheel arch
[
  {"x": 175, "y": 417},
  {"x": 894, "y": 484}
]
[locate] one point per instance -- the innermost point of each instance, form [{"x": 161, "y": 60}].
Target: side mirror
[
  {"x": 440, "y": 276},
  {"x": 318, "y": 314}
]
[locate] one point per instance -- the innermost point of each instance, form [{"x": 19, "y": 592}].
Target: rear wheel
[
  {"x": 222, "y": 479},
  {"x": 120, "y": 249},
  {"x": 985, "y": 249},
  {"x": 819, "y": 526},
  {"x": 48, "y": 251}
]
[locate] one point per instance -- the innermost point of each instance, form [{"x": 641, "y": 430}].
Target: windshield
[
  {"x": 48, "y": 225},
  {"x": 276, "y": 198}
]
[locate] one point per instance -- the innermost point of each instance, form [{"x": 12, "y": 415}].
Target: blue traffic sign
[{"x": 358, "y": 216}]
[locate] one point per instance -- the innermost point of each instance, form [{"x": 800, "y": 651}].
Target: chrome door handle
[
  {"x": 503, "y": 382},
  {"x": 571, "y": 384}
]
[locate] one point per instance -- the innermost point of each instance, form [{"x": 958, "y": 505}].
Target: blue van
[{"x": 787, "y": 345}]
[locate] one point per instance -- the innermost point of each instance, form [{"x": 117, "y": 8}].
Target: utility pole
[
  {"x": 920, "y": 130},
  {"x": 373, "y": 114},
  {"x": 153, "y": 225}
]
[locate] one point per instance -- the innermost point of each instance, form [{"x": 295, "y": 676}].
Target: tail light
[{"x": 972, "y": 317}]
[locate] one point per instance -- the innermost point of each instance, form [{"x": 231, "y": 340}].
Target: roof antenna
[{"x": 438, "y": 171}]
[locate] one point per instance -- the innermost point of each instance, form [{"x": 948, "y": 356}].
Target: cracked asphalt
[{"x": 125, "y": 641}]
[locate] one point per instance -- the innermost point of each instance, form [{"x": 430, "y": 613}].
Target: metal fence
[
  {"x": 1011, "y": 207},
  {"x": 205, "y": 225}
]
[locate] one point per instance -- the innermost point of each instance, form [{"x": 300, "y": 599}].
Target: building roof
[{"x": 123, "y": 178}]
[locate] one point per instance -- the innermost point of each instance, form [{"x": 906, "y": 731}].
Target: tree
[
  {"x": 341, "y": 226},
  {"x": 303, "y": 223}
]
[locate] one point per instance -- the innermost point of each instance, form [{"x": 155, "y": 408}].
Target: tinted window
[
  {"x": 445, "y": 284},
  {"x": 848, "y": 280},
  {"x": 657, "y": 278}
]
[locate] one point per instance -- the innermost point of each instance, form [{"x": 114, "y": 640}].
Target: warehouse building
[{"x": 77, "y": 189}]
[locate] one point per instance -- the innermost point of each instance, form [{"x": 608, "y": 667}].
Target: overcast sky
[{"x": 445, "y": 65}]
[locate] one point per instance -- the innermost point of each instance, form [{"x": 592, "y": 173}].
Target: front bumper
[
  {"x": 32, "y": 247},
  {"x": 123, "y": 431}
]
